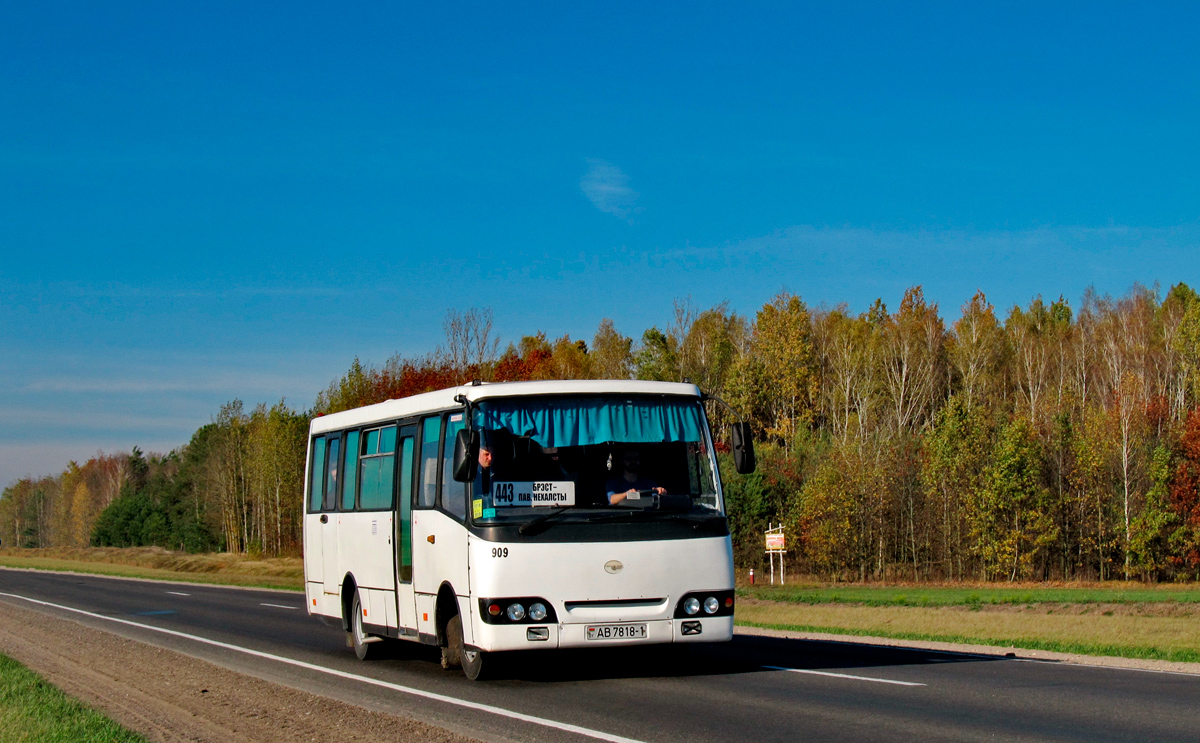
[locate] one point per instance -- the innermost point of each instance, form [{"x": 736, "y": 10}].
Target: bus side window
[
  {"x": 454, "y": 494},
  {"x": 350, "y": 480},
  {"x": 378, "y": 466},
  {"x": 316, "y": 479},
  {"x": 331, "y": 482},
  {"x": 431, "y": 429}
]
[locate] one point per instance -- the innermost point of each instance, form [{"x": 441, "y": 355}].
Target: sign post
[{"x": 776, "y": 545}]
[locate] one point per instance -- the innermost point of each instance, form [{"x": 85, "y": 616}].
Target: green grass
[
  {"x": 33, "y": 710},
  {"x": 974, "y": 595},
  {"x": 1181, "y": 655}
]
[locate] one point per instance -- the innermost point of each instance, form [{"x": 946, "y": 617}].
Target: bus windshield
[{"x": 591, "y": 456}]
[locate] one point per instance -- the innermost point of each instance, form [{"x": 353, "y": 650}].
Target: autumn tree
[
  {"x": 976, "y": 350},
  {"x": 956, "y": 453},
  {"x": 470, "y": 343},
  {"x": 781, "y": 350},
  {"x": 1009, "y": 517},
  {"x": 1185, "y": 343},
  {"x": 1178, "y": 349},
  {"x": 275, "y": 448},
  {"x": 657, "y": 357},
  {"x": 710, "y": 346},
  {"x": 612, "y": 356},
  {"x": 1038, "y": 336},
  {"x": 913, "y": 360},
  {"x": 1148, "y": 544},
  {"x": 1185, "y": 497}
]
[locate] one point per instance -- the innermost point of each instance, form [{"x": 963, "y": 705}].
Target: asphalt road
[{"x": 752, "y": 689}]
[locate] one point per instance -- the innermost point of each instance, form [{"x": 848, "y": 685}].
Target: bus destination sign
[{"x": 540, "y": 493}]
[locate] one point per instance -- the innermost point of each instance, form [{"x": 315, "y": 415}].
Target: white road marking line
[
  {"x": 279, "y": 606},
  {"x": 177, "y": 593},
  {"x": 566, "y": 727},
  {"x": 844, "y": 676}
]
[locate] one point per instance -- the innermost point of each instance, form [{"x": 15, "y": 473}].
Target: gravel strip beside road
[
  {"x": 989, "y": 650},
  {"x": 168, "y": 696}
]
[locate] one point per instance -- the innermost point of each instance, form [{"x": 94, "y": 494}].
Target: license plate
[{"x": 616, "y": 632}]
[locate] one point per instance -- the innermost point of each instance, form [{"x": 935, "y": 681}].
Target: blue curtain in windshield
[{"x": 577, "y": 421}]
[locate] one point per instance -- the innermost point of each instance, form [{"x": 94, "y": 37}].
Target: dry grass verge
[
  {"x": 155, "y": 562},
  {"x": 1117, "y": 630}
]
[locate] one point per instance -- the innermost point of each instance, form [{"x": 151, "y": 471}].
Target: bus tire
[
  {"x": 364, "y": 650},
  {"x": 452, "y": 651},
  {"x": 456, "y": 655},
  {"x": 473, "y": 663}
]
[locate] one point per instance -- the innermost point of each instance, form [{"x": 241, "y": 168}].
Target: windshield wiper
[{"x": 529, "y": 527}]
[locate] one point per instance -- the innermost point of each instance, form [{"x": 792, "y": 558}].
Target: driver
[
  {"x": 630, "y": 481},
  {"x": 483, "y": 481}
]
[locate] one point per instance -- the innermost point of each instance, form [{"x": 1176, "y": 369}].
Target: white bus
[{"x": 522, "y": 515}]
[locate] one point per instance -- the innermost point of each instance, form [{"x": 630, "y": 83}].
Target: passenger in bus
[{"x": 631, "y": 481}]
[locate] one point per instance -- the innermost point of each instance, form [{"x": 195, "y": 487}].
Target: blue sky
[{"x": 207, "y": 201}]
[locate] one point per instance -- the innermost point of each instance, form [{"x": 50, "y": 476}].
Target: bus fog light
[
  {"x": 691, "y": 606},
  {"x": 494, "y": 610},
  {"x": 711, "y": 605},
  {"x": 537, "y": 612},
  {"x": 690, "y": 628},
  {"x": 516, "y": 612},
  {"x": 537, "y": 634}
]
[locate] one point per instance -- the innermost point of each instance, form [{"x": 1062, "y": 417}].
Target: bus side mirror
[
  {"x": 466, "y": 455},
  {"x": 743, "y": 448}
]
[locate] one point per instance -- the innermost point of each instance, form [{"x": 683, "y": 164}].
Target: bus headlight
[
  {"x": 517, "y": 610},
  {"x": 715, "y": 602}
]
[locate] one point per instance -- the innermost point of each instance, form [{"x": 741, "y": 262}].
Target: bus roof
[{"x": 444, "y": 399}]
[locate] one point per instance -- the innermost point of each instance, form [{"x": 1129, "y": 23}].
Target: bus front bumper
[{"x": 498, "y": 637}]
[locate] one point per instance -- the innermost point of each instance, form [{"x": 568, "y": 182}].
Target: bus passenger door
[
  {"x": 406, "y": 607},
  {"x": 314, "y": 561},
  {"x": 439, "y": 534},
  {"x": 329, "y": 519}
]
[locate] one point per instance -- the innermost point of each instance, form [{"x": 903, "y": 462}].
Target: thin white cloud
[
  {"x": 607, "y": 187},
  {"x": 98, "y": 420},
  {"x": 48, "y": 458},
  {"x": 232, "y": 383},
  {"x": 833, "y": 264}
]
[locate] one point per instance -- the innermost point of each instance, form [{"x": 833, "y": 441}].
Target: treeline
[
  {"x": 1053, "y": 442},
  {"x": 236, "y": 486}
]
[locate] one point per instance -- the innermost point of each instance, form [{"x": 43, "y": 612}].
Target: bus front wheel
[
  {"x": 472, "y": 663},
  {"x": 456, "y": 655}
]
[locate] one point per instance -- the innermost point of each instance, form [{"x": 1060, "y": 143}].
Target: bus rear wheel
[{"x": 365, "y": 646}]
